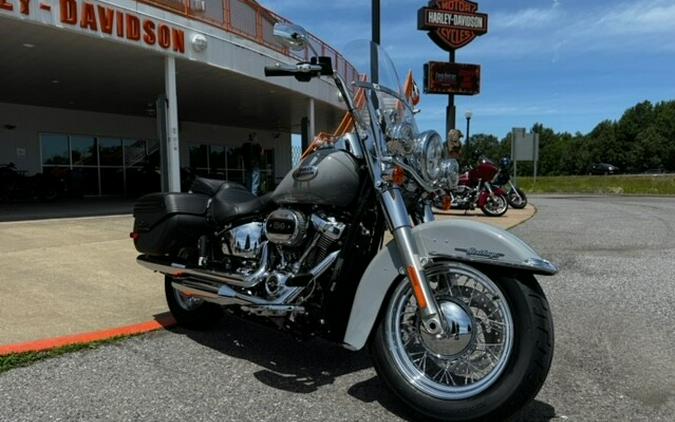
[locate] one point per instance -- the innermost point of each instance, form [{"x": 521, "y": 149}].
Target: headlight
[
  {"x": 450, "y": 172},
  {"x": 429, "y": 151}
]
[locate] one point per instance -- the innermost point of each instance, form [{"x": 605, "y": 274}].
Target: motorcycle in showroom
[
  {"x": 476, "y": 188},
  {"x": 516, "y": 196},
  {"x": 456, "y": 323}
]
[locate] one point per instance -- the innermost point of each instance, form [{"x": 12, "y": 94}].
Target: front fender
[{"x": 458, "y": 240}]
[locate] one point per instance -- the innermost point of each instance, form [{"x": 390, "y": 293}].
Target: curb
[{"x": 161, "y": 321}]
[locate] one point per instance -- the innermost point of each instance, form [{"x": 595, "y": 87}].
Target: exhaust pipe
[
  {"x": 212, "y": 289},
  {"x": 176, "y": 269}
]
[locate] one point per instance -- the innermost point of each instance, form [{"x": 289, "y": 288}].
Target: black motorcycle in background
[
  {"x": 516, "y": 196},
  {"x": 15, "y": 185}
]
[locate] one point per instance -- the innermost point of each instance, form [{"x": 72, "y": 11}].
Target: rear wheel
[
  {"x": 188, "y": 311},
  {"x": 494, "y": 359},
  {"x": 517, "y": 198}
]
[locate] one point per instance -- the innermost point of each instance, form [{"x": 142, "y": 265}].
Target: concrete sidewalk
[{"x": 70, "y": 276}]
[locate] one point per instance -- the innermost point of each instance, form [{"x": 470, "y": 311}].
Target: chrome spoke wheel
[
  {"x": 496, "y": 204},
  {"x": 473, "y": 352}
]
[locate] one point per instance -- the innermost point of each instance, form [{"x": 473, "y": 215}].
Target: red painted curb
[{"x": 161, "y": 321}]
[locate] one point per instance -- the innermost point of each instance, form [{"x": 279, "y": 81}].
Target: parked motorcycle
[
  {"x": 456, "y": 323},
  {"x": 15, "y": 185},
  {"x": 516, "y": 196},
  {"x": 475, "y": 188}
]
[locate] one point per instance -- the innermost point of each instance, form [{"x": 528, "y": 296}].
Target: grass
[
  {"x": 18, "y": 360},
  {"x": 605, "y": 185}
]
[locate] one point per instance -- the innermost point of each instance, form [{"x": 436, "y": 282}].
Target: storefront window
[
  {"x": 110, "y": 151},
  {"x": 198, "y": 157},
  {"x": 83, "y": 150},
  {"x": 217, "y": 159},
  {"x": 54, "y": 149},
  {"x": 134, "y": 152}
]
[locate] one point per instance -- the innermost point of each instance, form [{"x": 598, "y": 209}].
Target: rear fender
[{"x": 458, "y": 240}]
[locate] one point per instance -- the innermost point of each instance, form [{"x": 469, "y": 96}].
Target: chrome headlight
[
  {"x": 401, "y": 139},
  {"x": 450, "y": 173},
  {"x": 429, "y": 151}
]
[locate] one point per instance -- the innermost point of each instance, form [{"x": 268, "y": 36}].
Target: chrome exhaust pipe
[
  {"x": 175, "y": 269},
  {"x": 192, "y": 282}
]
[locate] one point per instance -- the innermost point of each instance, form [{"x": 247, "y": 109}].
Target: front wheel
[
  {"x": 493, "y": 359},
  {"x": 496, "y": 205},
  {"x": 517, "y": 198}
]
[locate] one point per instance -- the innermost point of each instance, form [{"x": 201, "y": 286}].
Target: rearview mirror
[{"x": 291, "y": 36}]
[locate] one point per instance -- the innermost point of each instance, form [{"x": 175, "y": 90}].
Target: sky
[{"x": 568, "y": 64}]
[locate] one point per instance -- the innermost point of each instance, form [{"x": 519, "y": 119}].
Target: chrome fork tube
[{"x": 401, "y": 228}]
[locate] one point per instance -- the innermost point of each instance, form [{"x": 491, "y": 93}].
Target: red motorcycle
[{"x": 475, "y": 189}]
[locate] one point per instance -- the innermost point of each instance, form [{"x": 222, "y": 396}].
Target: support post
[
  {"x": 312, "y": 120},
  {"x": 162, "y": 109},
  {"x": 173, "y": 149}
]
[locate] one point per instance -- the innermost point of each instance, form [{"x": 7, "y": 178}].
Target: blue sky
[{"x": 566, "y": 63}]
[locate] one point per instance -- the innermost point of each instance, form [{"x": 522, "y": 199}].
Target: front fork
[{"x": 400, "y": 225}]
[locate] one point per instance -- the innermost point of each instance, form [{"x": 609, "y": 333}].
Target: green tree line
[{"x": 642, "y": 139}]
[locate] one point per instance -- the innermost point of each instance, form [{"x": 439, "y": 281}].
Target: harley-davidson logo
[{"x": 452, "y": 24}]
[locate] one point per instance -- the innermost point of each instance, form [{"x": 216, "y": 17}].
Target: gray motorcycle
[{"x": 457, "y": 325}]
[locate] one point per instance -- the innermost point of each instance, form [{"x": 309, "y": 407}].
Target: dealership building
[{"x": 115, "y": 93}]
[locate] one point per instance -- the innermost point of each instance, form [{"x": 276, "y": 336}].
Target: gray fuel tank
[{"x": 327, "y": 177}]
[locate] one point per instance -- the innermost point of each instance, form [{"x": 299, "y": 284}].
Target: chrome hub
[{"x": 458, "y": 334}]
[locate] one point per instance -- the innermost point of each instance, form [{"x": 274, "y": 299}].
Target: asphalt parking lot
[{"x": 612, "y": 305}]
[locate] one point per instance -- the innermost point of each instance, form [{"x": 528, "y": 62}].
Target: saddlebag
[{"x": 165, "y": 222}]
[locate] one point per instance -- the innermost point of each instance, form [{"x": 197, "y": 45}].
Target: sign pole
[
  {"x": 374, "y": 71},
  {"x": 513, "y": 156},
  {"x": 451, "y": 111}
]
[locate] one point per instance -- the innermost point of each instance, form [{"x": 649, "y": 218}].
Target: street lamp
[{"x": 468, "y": 116}]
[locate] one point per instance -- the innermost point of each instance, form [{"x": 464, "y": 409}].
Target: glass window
[
  {"x": 134, "y": 152},
  {"x": 217, "y": 157},
  {"x": 83, "y": 150},
  {"x": 54, "y": 149},
  {"x": 234, "y": 158},
  {"x": 198, "y": 157},
  {"x": 153, "y": 153},
  {"x": 110, "y": 151}
]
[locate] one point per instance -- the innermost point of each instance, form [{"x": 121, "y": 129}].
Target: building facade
[{"x": 117, "y": 97}]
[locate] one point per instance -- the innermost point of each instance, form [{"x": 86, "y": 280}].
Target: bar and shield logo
[{"x": 452, "y": 24}]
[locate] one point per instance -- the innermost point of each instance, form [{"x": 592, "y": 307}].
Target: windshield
[
  {"x": 394, "y": 115},
  {"x": 360, "y": 53}
]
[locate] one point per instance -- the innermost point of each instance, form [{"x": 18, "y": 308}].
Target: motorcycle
[
  {"x": 15, "y": 185},
  {"x": 475, "y": 188},
  {"x": 456, "y": 323},
  {"x": 516, "y": 196}
]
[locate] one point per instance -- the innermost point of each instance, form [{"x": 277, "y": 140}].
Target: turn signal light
[
  {"x": 134, "y": 235},
  {"x": 398, "y": 176},
  {"x": 447, "y": 203}
]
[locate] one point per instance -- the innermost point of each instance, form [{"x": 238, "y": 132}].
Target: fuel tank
[{"x": 327, "y": 177}]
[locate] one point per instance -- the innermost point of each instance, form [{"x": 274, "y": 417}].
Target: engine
[
  {"x": 286, "y": 227},
  {"x": 287, "y": 250}
]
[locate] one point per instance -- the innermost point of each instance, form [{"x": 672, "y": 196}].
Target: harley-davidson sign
[
  {"x": 452, "y": 24},
  {"x": 451, "y": 78}
]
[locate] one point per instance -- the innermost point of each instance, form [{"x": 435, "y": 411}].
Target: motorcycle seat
[
  {"x": 207, "y": 186},
  {"x": 233, "y": 200}
]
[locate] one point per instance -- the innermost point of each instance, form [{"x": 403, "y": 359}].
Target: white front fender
[{"x": 458, "y": 240}]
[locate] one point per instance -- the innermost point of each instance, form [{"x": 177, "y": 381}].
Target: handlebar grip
[{"x": 279, "y": 71}]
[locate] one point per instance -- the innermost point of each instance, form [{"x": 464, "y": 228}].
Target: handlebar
[{"x": 290, "y": 70}]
